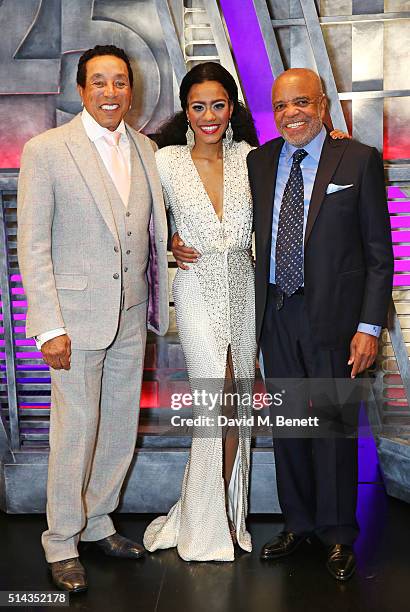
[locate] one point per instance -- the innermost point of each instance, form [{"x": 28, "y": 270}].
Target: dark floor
[{"x": 162, "y": 582}]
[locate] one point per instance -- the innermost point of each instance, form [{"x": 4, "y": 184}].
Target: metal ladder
[{"x": 198, "y": 40}]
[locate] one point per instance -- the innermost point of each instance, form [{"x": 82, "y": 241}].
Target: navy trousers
[{"x": 316, "y": 467}]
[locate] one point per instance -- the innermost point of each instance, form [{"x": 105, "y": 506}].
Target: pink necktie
[{"x": 119, "y": 167}]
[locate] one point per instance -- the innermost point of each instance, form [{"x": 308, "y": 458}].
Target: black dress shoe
[
  {"x": 118, "y": 546},
  {"x": 69, "y": 575},
  {"x": 281, "y": 545},
  {"x": 341, "y": 562}
]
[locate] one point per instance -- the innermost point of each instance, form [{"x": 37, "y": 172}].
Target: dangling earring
[
  {"x": 229, "y": 135},
  {"x": 190, "y": 137}
]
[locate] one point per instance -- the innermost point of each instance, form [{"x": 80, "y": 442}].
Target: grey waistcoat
[{"x": 132, "y": 228}]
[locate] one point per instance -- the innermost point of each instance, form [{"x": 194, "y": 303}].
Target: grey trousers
[{"x": 93, "y": 430}]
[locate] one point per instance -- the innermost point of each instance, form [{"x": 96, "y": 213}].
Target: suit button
[
  {"x": 116, "y": 249},
  {"x": 129, "y": 233},
  {"x": 125, "y": 269},
  {"x": 128, "y": 252},
  {"x": 116, "y": 275},
  {"x": 128, "y": 214}
]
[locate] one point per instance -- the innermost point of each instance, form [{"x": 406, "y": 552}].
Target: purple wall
[{"x": 252, "y": 62}]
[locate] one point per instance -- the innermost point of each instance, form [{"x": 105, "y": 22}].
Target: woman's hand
[
  {"x": 339, "y": 135},
  {"x": 251, "y": 256}
]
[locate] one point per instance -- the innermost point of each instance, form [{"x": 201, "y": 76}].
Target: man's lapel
[
  {"x": 269, "y": 171},
  {"x": 145, "y": 152},
  {"x": 135, "y": 175},
  {"x": 157, "y": 315},
  {"x": 332, "y": 153},
  {"x": 84, "y": 155}
]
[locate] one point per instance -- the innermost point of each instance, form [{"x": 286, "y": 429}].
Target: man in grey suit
[{"x": 92, "y": 240}]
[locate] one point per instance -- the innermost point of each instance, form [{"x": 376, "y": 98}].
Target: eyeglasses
[{"x": 279, "y": 107}]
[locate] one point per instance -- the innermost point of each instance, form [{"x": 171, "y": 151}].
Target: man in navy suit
[{"x": 324, "y": 269}]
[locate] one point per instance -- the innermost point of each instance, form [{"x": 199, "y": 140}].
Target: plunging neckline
[{"x": 219, "y": 220}]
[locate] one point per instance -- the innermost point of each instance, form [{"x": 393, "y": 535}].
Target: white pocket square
[{"x": 332, "y": 188}]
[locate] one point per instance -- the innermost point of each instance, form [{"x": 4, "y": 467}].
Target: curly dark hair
[
  {"x": 101, "y": 50},
  {"x": 173, "y": 131}
]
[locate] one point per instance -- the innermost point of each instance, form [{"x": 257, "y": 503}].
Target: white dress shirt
[{"x": 95, "y": 133}]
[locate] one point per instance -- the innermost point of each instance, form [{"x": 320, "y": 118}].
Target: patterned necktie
[
  {"x": 289, "y": 240},
  {"x": 119, "y": 168}
]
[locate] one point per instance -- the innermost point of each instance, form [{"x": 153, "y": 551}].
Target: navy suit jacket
[{"x": 348, "y": 257}]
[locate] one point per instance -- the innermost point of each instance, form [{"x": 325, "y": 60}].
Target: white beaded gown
[{"x": 214, "y": 306}]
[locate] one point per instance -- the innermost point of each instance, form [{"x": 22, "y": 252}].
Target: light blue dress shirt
[{"x": 309, "y": 167}]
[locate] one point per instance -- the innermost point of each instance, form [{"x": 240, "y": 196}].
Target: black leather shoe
[
  {"x": 118, "y": 546},
  {"x": 69, "y": 575},
  {"x": 281, "y": 545},
  {"x": 341, "y": 562}
]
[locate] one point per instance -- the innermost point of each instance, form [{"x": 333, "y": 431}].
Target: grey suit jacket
[{"x": 67, "y": 235}]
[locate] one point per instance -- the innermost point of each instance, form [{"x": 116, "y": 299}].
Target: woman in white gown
[{"x": 206, "y": 188}]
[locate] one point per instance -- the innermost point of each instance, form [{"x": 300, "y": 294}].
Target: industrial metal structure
[{"x": 359, "y": 48}]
